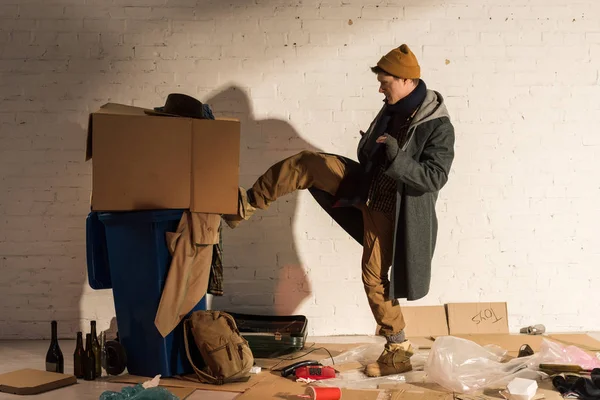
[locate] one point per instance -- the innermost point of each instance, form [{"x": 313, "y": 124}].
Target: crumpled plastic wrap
[
  {"x": 148, "y": 390},
  {"x": 552, "y": 352},
  {"x": 463, "y": 366},
  {"x": 137, "y": 392}
]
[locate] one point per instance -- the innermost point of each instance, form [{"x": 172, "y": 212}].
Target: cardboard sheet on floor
[
  {"x": 32, "y": 381},
  {"x": 182, "y": 393},
  {"x": 432, "y": 391},
  {"x": 482, "y": 318},
  {"x": 545, "y": 392},
  {"x": 581, "y": 340},
  {"x": 276, "y": 387},
  {"x": 417, "y": 391},
  {"x": 349, "y": 366},
  {"x": 311, "y": 351},
  {"x": 424, "y": 323},
  {"x": 184, "y": 383}
]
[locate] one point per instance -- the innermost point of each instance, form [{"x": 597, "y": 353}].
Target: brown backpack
[{"x": 226, "y": 353}]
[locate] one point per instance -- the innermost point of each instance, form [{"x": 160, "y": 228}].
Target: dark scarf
[
  {"x": 397, "y": 118},
  {"x": 354, "y": 190},
  {"x": 405, "y": 107}
]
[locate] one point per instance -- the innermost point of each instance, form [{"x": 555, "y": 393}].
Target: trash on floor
[
  {"x": 138, "y": 392},
  {"x": 32, "y": 381},
  {"x": 482, "y": 361},
  {"x": 537, "y": 329},
  {"x": 520, "y": 389},
  {"x": 148, "y": 390}
]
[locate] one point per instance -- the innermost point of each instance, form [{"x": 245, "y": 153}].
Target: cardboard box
[
  {"x": 466, "y": 318},
  {"x": 143, "y": 162},
  {"x": 424, "y": 323}
]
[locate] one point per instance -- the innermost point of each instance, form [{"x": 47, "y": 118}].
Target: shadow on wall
[{"x": 263, "y": 271}]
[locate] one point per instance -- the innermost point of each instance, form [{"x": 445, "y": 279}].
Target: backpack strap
[
  {"x": 231, "y": 322},
  {"x": 203, "y": 376}
]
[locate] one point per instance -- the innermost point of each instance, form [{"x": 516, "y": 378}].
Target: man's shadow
[{"x": 263, "y": 273}]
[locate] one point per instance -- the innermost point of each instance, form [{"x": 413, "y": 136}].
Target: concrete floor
[{"x": 16, "y": 355}]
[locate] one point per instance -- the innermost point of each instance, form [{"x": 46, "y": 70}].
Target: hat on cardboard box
[{"x": 182, "y": 105}]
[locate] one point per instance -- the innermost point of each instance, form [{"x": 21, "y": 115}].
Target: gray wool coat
[{"x": 420, "y": 169}]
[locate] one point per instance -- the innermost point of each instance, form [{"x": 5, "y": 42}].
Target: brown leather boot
[
  {"x": 245, "y": 210},
  {"x": 395, "y": 359}
]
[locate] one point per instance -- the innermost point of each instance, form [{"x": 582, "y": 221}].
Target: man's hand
[{"x": 391, "y": 146}]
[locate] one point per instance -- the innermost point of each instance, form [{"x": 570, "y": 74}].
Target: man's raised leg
[{"x": 301, "y": 171}]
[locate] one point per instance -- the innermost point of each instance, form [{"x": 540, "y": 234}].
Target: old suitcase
[{"x": 272, "y": 336}]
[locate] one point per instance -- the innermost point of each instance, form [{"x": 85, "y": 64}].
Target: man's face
[{"x": 394, "y": 89}]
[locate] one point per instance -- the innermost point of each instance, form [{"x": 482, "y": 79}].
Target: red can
[{"x": 324, "y": 393}]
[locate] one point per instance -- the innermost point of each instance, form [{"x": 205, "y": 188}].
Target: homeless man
[{"x": 386, "y": 201}]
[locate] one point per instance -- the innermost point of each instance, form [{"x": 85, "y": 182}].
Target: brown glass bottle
[
  {"x": 78, "y": 357},
  {"x": 89, "y": 361},
  {"x": 54, "y": 356},
  {"x": 96, "y": 350}
]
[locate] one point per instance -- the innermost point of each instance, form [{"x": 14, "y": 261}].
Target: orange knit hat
[{"x": 401, "y": 62}]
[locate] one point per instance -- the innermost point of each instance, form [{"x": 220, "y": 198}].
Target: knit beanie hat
[{"x": 401, "y": 62}]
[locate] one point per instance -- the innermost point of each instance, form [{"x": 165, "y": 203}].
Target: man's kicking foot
[
  {"x": 395, "y": 359},
  {"x": 245, "y": 209}
]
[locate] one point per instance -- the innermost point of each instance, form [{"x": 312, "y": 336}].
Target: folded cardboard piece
[
  {"x": 142, "y": 162},
  {"x": 32, "y": 381},
  {"x": 471, "y": 318},
  {"x": 424, "y": 323}
]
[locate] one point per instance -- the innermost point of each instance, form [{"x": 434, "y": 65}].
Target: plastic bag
[
  {"x": 138, "y": 392},
  {"x": 552, "y": 352},
  {"x": 464, "y": 366},
  {"x": 149, "y": 390}
]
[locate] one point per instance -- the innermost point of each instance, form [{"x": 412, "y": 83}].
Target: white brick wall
[{"x": 518, "y": 219}]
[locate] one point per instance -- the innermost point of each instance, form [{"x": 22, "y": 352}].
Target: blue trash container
[
  {"x": 139, "y": 260},
  {"x": 97, "y": 256}
]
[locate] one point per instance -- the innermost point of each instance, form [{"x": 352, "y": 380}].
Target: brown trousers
[{"x": 310, "y": 169}]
